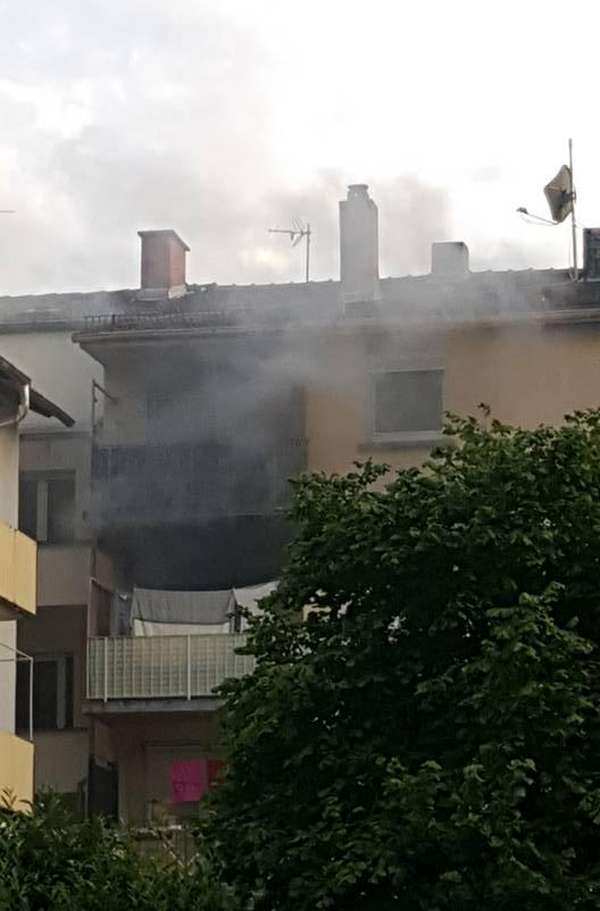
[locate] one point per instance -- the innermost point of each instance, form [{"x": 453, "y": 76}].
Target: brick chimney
[
  {"x": 359, "y": 246},
  {"x": 450, "y": 259},
  {"x": 163, "y": 264}
]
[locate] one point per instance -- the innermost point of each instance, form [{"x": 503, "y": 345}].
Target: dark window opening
[
  {"x": 52, "y": 694},
  {"x": 408, "y": 401},
  {"x": 47, "y": 507},
  {"x": 28, "y": 507},
  {"x": 61, "y": 510}
]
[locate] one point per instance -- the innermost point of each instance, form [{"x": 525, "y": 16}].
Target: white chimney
[
  {"x": 359, "y": 246},
  {"x": 450, "y": 259}
]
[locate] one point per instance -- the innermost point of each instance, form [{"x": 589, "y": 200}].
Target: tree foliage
[
  {"x": 49, "y": 862},
  {"x": 429, "y": 739}
]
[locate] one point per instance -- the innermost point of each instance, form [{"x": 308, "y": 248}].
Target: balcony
[
  {"x": 162, "y": 667},
  {"x": 18, "y": 569},
  {"x": 190, "y": 483},
  {"x": 16, "y": 769}
]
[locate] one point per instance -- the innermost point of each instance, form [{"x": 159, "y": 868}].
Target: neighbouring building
[
  {"x": 18, "y": 581},
  {"x": 165, "y": 508}
]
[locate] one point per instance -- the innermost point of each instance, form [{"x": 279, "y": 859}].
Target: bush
[{"x": 48, "y": 862}]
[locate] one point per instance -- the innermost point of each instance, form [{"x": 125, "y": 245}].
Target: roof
[
  {"x": 37, "y": 402},
  {"x": 476, "y": 296}
]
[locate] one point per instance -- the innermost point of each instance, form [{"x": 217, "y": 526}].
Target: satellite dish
[{"x": 560, "y": 194}]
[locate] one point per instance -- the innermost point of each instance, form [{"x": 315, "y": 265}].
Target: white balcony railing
[{"x": 161, "y": 667}]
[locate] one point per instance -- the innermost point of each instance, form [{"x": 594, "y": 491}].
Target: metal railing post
[
  {"x": 189, "y": 666},
  {"x": 16, "y": 656},
  {"x": 31, "y": 700},
  {"x": 105, "y": 670}
]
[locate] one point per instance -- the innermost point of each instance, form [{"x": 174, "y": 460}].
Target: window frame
[
  {"x": 403, "y": 436},
  {"x": 65, "y": 691},
  {"x": 42, "y": 480}
]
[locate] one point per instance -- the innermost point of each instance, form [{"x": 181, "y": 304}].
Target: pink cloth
[{"x": 189, "y": 780}]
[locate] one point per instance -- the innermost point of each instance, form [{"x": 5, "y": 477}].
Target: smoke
[
  {"x": 175, "y": 123},
  {"x": 85, "y": 236},
  {"x": 412, "y": 215}
]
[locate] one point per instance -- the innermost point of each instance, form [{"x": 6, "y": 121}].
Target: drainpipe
[{"x": 22, "y": 410}]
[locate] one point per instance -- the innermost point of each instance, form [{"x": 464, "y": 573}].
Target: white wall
[
  {"x": 8, "y": 674},
  {"x": 52, "y": 451},
  {"x": 9, "y": 475},
  {"x": 61, "y": 760},
  {"x": 59, "y": 370}
]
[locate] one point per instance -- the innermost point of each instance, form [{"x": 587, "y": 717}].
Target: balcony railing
[
  {"x": 229, "y": 318},
  {"x": 18, "y": 569},
  {"x": 163, "y": 667},
  {"x": 185, "y": 482}
]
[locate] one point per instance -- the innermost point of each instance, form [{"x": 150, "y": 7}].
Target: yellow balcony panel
[
  {"x": 16, "y": 768},
  {"x": 18, "y": 569}
]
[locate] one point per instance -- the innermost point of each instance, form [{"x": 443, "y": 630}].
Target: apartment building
[
  {"x": 196, "y": 403},
  {"x": 18, "y": 580}
]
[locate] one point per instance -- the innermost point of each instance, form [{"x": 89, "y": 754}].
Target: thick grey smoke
[
  {"x": 109, "y": 128},
  {"x": 105, "y": 194}
]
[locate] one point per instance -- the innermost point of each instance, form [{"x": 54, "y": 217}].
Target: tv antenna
[
  {"x": 7, "y": 211},
  {"x": 560, "y": 195},
  {"x": 295, "y": 234}
]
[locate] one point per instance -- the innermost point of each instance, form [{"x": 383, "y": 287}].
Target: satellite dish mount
[{"x": 561, "y": 196}]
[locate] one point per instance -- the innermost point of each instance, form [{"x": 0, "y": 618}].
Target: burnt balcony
[{"x": 187, "y": 483}]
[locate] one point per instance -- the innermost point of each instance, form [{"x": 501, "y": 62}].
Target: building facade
[
  {"x": 164, "y": 508},
  {"x": 18, "y": 588}
]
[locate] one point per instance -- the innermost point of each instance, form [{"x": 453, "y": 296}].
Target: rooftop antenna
[
  {"x": 560, "y": 195},
  {"x": 295, "y": 234}
]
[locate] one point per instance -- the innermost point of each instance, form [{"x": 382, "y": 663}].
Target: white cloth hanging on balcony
[
  {"x": 156, "y": 612},
  {"x": 249, "y": 596}
]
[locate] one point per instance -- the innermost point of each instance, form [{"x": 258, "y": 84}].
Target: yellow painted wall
[
  {"x": 526, "y": 374},
  {"x": 16, "y": 767},
  {"x": 338, "y": 394},
  {"x": 18, "y": 569}
]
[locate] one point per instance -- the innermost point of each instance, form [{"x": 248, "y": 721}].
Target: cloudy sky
[{"x": 221, "y": 118}]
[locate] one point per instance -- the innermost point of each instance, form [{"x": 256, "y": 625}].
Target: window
[
  {"x": 47, "y": 507},
  {"x": 407, "y": 403},
  {"x": 52, "y": 693}
]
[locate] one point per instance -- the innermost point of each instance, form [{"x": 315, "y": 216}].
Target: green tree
[
  {"x": 429, "y": 739},
  {"x": 49, "y": 862}
]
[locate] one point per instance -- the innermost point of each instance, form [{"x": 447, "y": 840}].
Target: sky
[{"x": 222, "y": 118}]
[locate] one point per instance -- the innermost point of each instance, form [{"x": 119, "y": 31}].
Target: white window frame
[{"x": 403, "y": 436}]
